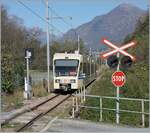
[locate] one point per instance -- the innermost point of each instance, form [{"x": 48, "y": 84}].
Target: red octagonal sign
[{"x": 118, "y": 78}]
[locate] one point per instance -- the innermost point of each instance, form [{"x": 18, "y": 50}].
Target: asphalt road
[{"x": 69, "y": 125}]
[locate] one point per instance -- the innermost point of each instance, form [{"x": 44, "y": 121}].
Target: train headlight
[
  {"x": 57, "y": 80},
  {"x": 72, "y": 81}
]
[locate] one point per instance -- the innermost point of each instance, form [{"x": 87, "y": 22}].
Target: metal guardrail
[{"x": 101, "y": 108}]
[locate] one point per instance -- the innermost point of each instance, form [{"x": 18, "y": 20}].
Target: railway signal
[
  {"x": 28, "y": 89},
  {"x": 112, "y": 60},
  {"x": 118, "y": 77},
  {"x": 29, "y": 52}
]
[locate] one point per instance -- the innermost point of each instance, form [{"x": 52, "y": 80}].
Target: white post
[
  {"x": 72, "y": 107},
  {"x": 27, "y": 59},
  {"x": 79, "y": 92},
  {"x": 48, "y": 46},
  {"x": 26, "y": 96},
  {"x": 117, "y": 99},
  {"x": 143, "y": 116},
  {"x": 84, "y": 93},
  {"x": 28, "y": 82},
  {"x": 28, "y": 89},
  {"x": 87, "y": 66},
  {"x": 77, "y": 103},
  {"x": 94, "y": 67},
  {"x": 90, "y": 63},
  {"x": 78, "y": 43},
  {"x": 80, "y": 95},
  {"x": 101, "y": 109}
]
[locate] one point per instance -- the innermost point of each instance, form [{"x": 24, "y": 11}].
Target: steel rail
[
  {"x": 32, "y": 108},
  {"x": 41, "y": 115},
  {"x": 88, "y": 84},
  {"x": 49, "y": 110},
  {"x": 44, "y": 102}
]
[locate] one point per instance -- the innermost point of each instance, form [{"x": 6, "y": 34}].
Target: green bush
[
  {"x": 18, "y": 74},
  {"x": 12, "y": 74},
  {"x": 7, "y": 77}
]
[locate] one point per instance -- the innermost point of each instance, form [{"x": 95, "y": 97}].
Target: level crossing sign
[
  {"x": 118, "y": 78},
  {"x": 117, "y": 49}
]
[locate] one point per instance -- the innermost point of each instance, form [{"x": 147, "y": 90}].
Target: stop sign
[{"x": 118, "y": 78}]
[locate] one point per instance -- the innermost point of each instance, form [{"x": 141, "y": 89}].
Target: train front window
[{"x": 66, "y": 67}]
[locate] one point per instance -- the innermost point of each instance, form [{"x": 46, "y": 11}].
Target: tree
[
  {"x": 15, "y": 38},
  {"x": 7, "y": 77}
]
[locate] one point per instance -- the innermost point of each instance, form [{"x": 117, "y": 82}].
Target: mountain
[{"x": 115, "y": 25}]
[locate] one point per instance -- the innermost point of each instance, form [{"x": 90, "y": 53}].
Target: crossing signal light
[
  {"x": 126, "y": 62},
  {"x": 112, "y": 61}
]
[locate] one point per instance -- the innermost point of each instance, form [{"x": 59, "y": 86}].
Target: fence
[
  {"x": 102, "y": 109},
  {"x": 38, "y": 76}
]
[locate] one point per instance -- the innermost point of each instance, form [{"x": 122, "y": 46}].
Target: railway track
[
  {"x": 51, "y": 98},
  {"x": 39, "y": 110},
  {"x": 40, "y": 113}
]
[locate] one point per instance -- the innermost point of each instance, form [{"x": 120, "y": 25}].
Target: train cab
[{"x": 68, "y": 71}]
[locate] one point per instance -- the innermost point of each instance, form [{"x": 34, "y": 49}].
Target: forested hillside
[{"x": 138, "y": 76}]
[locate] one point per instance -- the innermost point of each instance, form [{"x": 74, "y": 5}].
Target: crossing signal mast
[{"x": 113, "y": 61}]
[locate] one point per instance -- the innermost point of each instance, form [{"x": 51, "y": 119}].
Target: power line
[
  {"x": 43, "y": 2},
  {"x": 36, "y": 14},
  {"x": 60, "y": 17},
  {"x": 52, "y": 10}
]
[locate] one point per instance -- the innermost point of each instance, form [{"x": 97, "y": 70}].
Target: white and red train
[{"x": 71, "y": 71}]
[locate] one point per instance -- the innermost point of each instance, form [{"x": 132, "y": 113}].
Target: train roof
[{"x": 75, "y": 55}]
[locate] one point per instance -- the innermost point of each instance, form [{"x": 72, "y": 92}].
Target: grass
[
  {"x": 39, "y": 91},
  {"x": 10, "y": 125},
  {"x": 135, "y": 87},
  {"x": 12, "y": 101},
  {"x": 15, "y": 100}
]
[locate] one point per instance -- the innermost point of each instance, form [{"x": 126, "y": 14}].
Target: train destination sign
[{"x": 118, "y": 78}]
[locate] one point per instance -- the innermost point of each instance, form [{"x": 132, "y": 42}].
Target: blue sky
[{"x": 80, "y": 10}]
